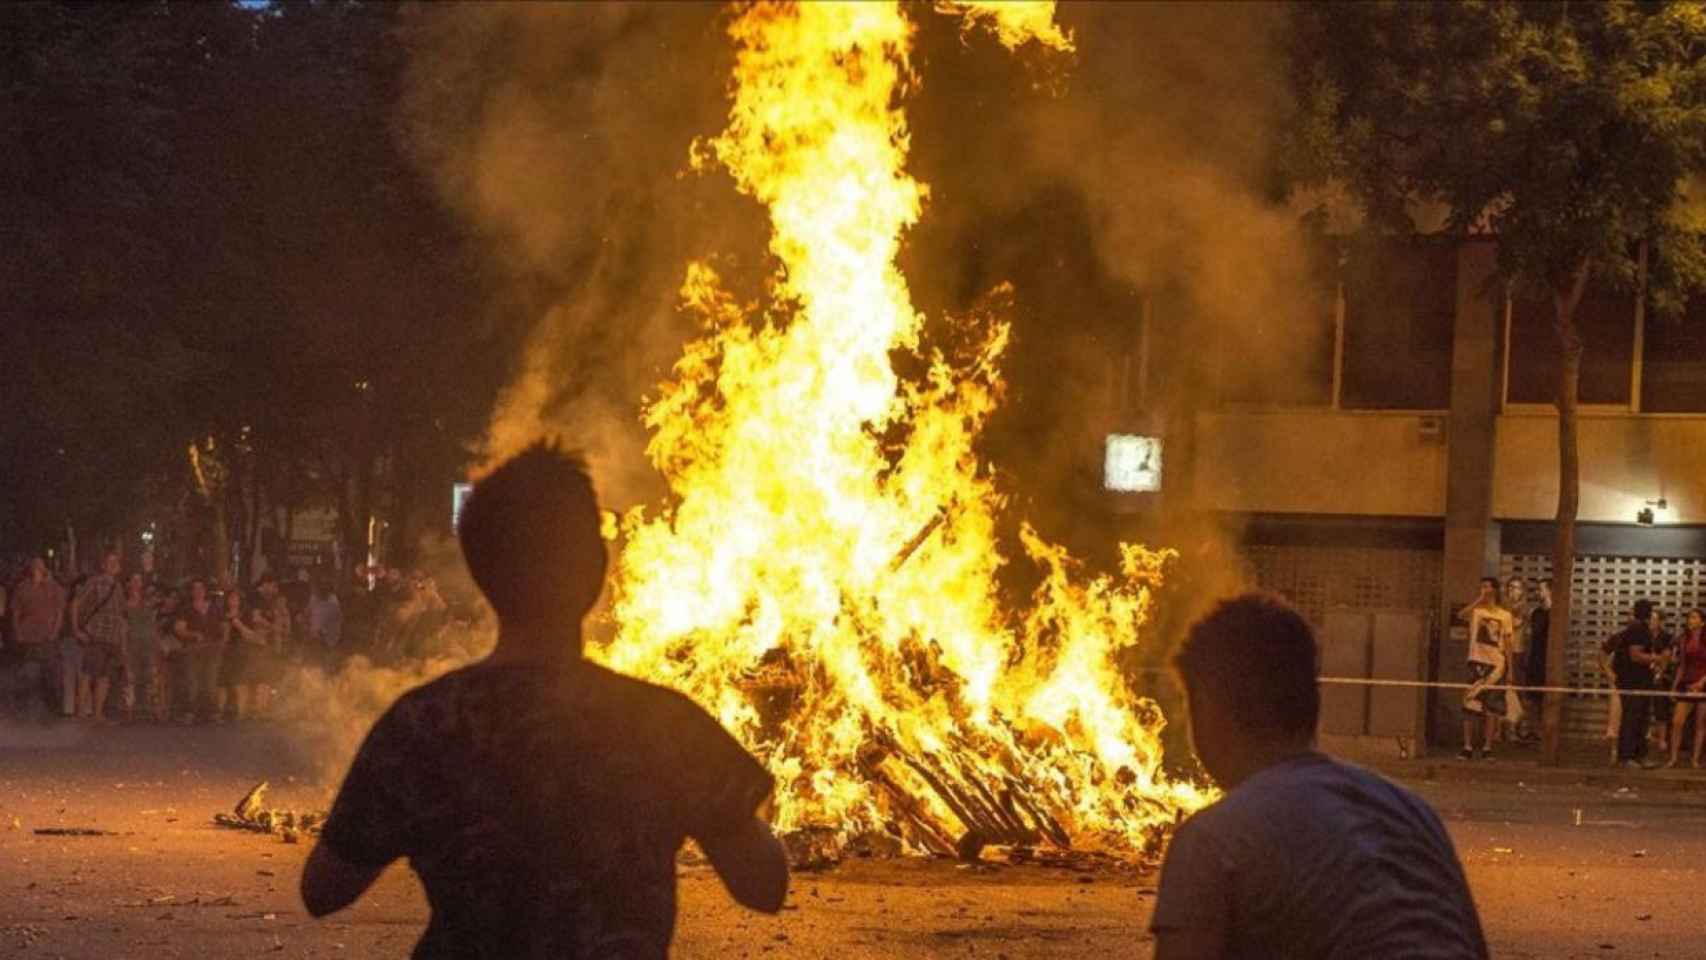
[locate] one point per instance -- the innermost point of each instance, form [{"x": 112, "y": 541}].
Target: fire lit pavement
[{"x": 167, "y": 883}]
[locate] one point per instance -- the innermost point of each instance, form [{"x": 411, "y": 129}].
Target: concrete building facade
[{"x": 1366, "y": 500}]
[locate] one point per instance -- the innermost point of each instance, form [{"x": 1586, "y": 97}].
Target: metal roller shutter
[
  {"x": 1368, "y": 579},
  {"x": 1605, "y": 589}
]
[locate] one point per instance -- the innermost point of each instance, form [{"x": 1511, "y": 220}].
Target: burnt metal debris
[{"x": 252, "y": 814}]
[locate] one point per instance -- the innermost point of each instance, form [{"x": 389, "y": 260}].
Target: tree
[
  {"x": 88, "y": 102},
  {"x": 216, "y": 241},
  {"x": 1571, "y": 132}
]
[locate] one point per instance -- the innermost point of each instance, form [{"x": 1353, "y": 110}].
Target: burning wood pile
[{"x": 804, "y": 582}]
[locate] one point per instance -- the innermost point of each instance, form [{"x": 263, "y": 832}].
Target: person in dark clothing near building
[
  {"x": 542, "y": 799},
  {"x": 1632, "y": 662},
  {"x": 1540, "y": 630},
  {"x": 1305, "y": 856}
]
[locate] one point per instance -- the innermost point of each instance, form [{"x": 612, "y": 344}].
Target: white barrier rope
[{"x": 1449, "y": 685}]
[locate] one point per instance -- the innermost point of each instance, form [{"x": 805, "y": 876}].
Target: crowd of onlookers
[
  {"x": 127, "y": 645},
  {"x": 1658, "y": 676}
]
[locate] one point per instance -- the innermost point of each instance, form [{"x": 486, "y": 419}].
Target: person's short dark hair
[
  {"x": 1494, "y": 581},
  {"x": 265, "y": 579},
  {"x": 1643, "y": 610},
  {"x": 1259, "y": 654},
  {"x": 530, "y": 536}
]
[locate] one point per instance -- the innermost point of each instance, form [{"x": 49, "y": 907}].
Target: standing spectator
[
  {"x": 1632, "y": 664},
  {"x": 171, "y": 653},
  {"x": 542, "y": 799},
  {"x": 37, "y": 613},
  {"x": 246, "y": 646},
  {"x": 325, "y": 624},
  {"x": 141, "y": 648},
  {"x": 1663, "y": 679},
  {"x": 1690, "y": 686},
  {"x": 1516, "y": 600},
  {"x": 296, "y": 591},
  {"x": 1490, "y": 629},
  {"x": 274, "y": 620},
  {"x": 266, "y": 662},
  {"x": 97, "y": 619},
  {"x": 197, "y": 629},
  {"x": 271, "y": 603},
  {"x": 1539, "y": 632},
  {"x": 359, "y": 613}
]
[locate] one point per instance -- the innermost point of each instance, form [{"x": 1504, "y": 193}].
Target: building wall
[
  {"x": 1379, "y": 464},
  {"x": 1627, "y": 459},
  {"x": 1319, "y": 462}
]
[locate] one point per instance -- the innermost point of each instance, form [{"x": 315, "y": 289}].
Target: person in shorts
[
  {"x": 1485, "y": 703},
  {"x": 98, "y": 623},
  {"x": 1304, "y": 857},
  {"x": 540, "y": 798}
]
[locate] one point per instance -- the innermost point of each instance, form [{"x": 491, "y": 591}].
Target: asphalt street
[{"x": 1559, "y": 870}]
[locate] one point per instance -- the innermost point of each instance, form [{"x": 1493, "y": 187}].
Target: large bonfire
[{"x": 823, "y": 578}]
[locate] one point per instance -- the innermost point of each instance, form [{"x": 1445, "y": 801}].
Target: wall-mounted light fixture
[{"x": 1646, "y": 514}]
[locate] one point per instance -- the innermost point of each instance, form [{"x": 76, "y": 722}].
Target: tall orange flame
[{"x": 824, "y": 578}]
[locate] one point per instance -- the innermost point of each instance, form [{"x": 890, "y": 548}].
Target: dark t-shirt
[
  {"x": 543, "y": 811},
  {"x": 1312, "y": 858},
  {"x": 208, "y": 623},
  {"x": 1631, "y": 675}
]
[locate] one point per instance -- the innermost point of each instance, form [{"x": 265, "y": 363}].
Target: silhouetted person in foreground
[
  {"x": 1304, "y": 856},
  {"x": 542, "y": 799}
]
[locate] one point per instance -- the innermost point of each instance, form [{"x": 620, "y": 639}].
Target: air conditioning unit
[{"x": 1430, "y": 430}]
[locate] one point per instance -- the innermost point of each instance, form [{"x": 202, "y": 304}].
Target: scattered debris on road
[
  {"x": 252, "y": 814},
  {"x": 73, "y": 832}
]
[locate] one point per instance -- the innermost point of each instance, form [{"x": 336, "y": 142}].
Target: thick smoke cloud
[
  {"x": 1142, "y": 165},
  {"x": 562, "y": 132},
  {"x": 1142, "y": 169}
]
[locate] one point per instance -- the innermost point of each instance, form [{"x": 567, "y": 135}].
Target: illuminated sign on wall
[{"x": 1132, "y": 463}]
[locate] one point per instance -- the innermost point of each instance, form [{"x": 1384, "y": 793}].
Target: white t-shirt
[{"x": 1490, "y": 634}]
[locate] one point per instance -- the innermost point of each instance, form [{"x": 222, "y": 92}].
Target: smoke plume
[
  {"x": 1142, "y": 167},
  {"x": 562, "y": 132}
]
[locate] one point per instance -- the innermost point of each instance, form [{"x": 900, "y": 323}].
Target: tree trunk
[
  {"x": 221, "y": 540},
  {"x": 1564, "y": 302}
]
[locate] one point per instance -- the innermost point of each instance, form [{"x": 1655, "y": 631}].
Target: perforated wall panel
[
  {"x": 1605, "y": 589},
  {"x": 1317, "y": 579}
]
